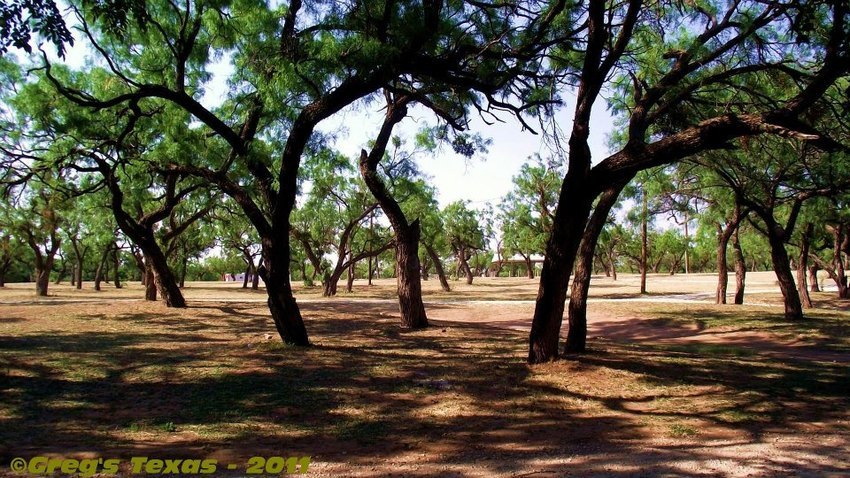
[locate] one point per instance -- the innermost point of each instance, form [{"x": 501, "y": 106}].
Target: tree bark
[
  {"x": 571, "y": 216},
  {"x": 782, "y": 268},
  {"x": 79, "y": 259},
  {"x": 42, "y": 279},
  {"x": 464, "y": 265},
  {"x": 425, "y": 263},
  {"x": 813, "y": 278},
  {"x": 149, "y": 283},
  {"x": 407, "y": 278},
  {"x": 98, "y": 274},
  {"x": 407, "y": 234},
  {"x": 116, "y": 263},
  {"x": 724, "y": 234},
  {"x": 803, "y": 266},
  {"x": 60, "y": 275},
  {"x": 529, "y": 268},
  {"x": 577, "y": 319},
  {"x": 438, "y": 266},
  {"x": 740, "y": 268},
  {"x": 247, "y": 275},
  {"x": 349, "y": 285},
  {"x": 644, "y": 240},
  {"x": 282, "y": 304},
  {"x": 838, "y": 262},
  {"x": 330, "y": 282}
]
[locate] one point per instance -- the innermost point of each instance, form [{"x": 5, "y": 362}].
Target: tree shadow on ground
[{"x": 457, "y": 399}]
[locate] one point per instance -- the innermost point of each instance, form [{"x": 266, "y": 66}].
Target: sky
[{"x": 482, "y": 179}]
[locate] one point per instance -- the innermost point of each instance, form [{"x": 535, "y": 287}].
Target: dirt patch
[{"x": 665, "y": 391}]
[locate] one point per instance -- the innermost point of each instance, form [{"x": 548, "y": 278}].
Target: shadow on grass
[{"x": 368, "y": 390}]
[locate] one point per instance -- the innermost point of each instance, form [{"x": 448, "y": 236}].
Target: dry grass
[{"x": 83, "y": 376}]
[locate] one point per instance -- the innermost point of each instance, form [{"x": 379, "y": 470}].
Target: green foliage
[{"x": 526, "y": 212}]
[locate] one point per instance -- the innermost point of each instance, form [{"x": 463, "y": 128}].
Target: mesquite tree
[
  {"x": 527, "y": 210},
  {"x": 678, "y": 92},
  {"x": 294, "y": 68}
]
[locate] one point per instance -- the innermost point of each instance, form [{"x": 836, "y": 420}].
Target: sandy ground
[{"x": 621, "y": 440}]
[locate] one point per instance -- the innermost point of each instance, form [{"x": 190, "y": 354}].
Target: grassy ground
[{"x": 669, "y": 388}]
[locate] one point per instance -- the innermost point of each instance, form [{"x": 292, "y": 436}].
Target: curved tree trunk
[
  {"x": 407, "y": 278},
  {"x": 78, "y": 274},
  {"x": 813, "y": 278},
  {"x": 98, "y": 274},
  {"x": 60, "y": 275},
  {"x": 425, "y": 263},
  {"x": 42, "y": 281},
  {"x": 740, "y": 268},
  {"x": 529, "y": 268},
  {"x": 644, "y": 241},
  {"x": 723, "y": 236},
  {"x": 464, "y": 265},
  {"x": 577, "y": 333},
  {"x": 149, "y": 283},
  {"x": 838, "y": 263},
  {"x": 803, "y": 266},
  {"x": 407, "y": 234},
  {"x": 438, "y": 266},
  {"x": 349, "y": 284},
  {"x": 275, "y": 273},
  {"x": 116, "y": 263},
  {"x": 571, "y": 215},
  {"x": 782, "y": 268},
  {"x": 330, "y": 282}
]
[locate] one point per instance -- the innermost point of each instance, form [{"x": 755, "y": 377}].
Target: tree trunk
[
  {"x": 779, "y": 256},
  {"x": 60, "y": 276},
  {"x": 140, "y": 264},
  {"x": 577, "y": 333},
  {"x": 612, "y": 261},
  {"x": 407, "y": 235},
  {"x": 44, "y": 263},
  {"x": 116, "y": 263},
  {"x": 740, "y": 268},
  {"x": 803, "y": 266},
  {"x": 438, "y": 266},
  {"x": 529, "y": 268},
  {"x": 42, "y": 281},
  {"x": 644, "y": 242},
  {"x": 571, "y": 216},
  {"x": 463, "y": 264},
  {"x": 330, "y": 282},
  {"x": 255, "y": 279},
  {"x": 838, "y": 262},
  {"x": 5, "y": 265},
  {"x": 407, "y": 277},
  {"x": 78, "y": 274},
  {"x": 149, "y": 283},
  {"x": 247, "y": 275},
  {"x": 813, "y": 278},
  {"x": 98, "y": 274},
  {"x": 275, "y": 273},
  {"x": 687, "y": 240},
  {"x": 349, "y": 285},
  {"x": 723, "y": 237},
  {"x": 425, "y": 263}
]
